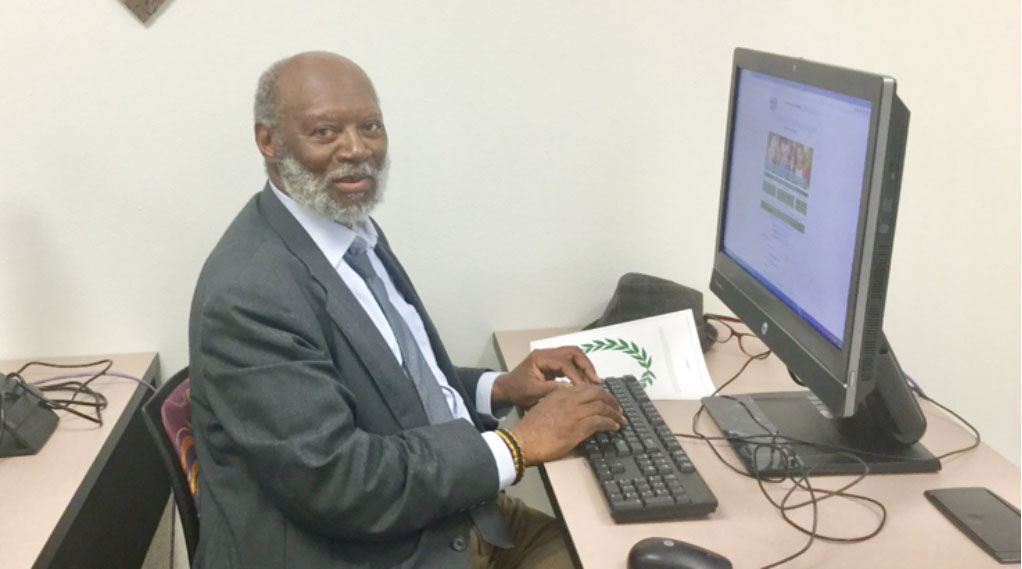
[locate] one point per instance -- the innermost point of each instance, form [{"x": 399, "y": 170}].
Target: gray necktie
[
  {"x": 487, "y": 516},
  {"x": 432, "y": 397}
]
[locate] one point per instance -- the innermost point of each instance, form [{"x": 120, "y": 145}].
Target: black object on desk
[
  {"x": 985, "y": 517},
  {"x": 791, "y": 432},
  {"x": 663, "y": 553},
  {"x": 26, "y": 422}
]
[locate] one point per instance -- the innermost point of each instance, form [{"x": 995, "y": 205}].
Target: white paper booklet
[{"x": 662, "y": 352}]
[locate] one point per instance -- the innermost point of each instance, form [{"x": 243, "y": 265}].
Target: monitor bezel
[{"x": 833, "y": 373}]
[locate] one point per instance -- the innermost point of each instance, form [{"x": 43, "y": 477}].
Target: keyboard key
[
  {"x": 626, "y": 504},
  {"x": 621, "y": 446},
  {"x": 654, "y": 501}
]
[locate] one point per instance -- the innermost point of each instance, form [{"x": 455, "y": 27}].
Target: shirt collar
[{"x": 332, "y": 238}]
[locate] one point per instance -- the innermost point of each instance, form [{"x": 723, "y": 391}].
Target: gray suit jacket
[{"x": 313, "y": 446}]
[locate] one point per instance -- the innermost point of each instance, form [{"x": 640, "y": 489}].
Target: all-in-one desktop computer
[{"x": 809, "y": 199}]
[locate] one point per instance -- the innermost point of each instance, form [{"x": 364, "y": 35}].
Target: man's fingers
[
  {"x": 548, "y": 387},
  {"x": 601, "y": 408},
  {"x": 570, "y": 362},
  {"x": 574, "y": 375},
  {"x": 583, "y": 402},
  {"x": 598, "y": 423},
  {"x": 553, "y": 365},
  {"x": 594, "y": 393},
  {"x": 583, "y": 363},
  {"x": 566, "y": 417}
]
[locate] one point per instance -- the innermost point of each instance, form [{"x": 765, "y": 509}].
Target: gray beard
[{"x": 311, "y": 191}]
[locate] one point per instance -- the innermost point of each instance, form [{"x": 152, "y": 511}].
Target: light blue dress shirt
[{"x": 333, "y": 239}]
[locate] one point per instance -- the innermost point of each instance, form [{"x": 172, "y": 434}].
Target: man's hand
[
  {"x": 565, "y": 418},
  {"x": 534, "y": 378}
]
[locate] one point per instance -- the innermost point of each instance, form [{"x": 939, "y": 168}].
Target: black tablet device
[{"x": 985, "y": 517}]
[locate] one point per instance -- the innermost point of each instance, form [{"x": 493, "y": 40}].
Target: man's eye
[
  {"x": 322, "y": 131},
  {"x": 373, "y": 126}
]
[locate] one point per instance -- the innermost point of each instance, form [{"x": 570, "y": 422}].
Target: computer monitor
[{"x": 809, "y": 198}]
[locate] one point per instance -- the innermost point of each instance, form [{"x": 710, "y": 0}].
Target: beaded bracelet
[{"x": 515, "y": 447}]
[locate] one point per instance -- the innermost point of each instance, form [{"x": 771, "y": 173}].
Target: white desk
[
  {"x": 93, "y": 495},
  {"x": 750, "y": 532}
]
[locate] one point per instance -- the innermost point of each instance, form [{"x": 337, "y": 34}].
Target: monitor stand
[{"x": 800, "y": 416}]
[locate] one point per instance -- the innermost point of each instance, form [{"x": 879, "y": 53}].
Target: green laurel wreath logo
[{"x": 629, "y": 348}]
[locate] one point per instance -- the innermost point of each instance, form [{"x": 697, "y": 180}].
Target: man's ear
[{"x": 264, "y": 140}]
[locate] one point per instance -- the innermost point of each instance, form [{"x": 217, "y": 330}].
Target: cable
[
  {"x": 137, "y": 380},
  {"x": 800, "y": 480},
  {"x": 77, "y": 388},
  {"x": 774, "y": 445},
  {"x": 724, "y": 320},
  {"x": 64, "y": 383},
  {"x": 974, "y": 430},
  {"x": 812, "y": 533},
  {"x": 915, "y": 386}
]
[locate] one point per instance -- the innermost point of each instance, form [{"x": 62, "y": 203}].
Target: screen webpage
[{"x": 798, "y": 157}]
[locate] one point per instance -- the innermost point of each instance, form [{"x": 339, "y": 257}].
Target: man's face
[
  {"x": 316, "y": 192},
  {"x": 330, "y": 148}
]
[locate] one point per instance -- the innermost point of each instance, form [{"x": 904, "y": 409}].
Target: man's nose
[{"x": 351, "y": 147}]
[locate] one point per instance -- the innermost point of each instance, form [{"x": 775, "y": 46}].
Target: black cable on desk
[
  {"x": 97, "y": 403},
  {"x": 974, "y": 430},
  {"x": 802, "y": 481}
]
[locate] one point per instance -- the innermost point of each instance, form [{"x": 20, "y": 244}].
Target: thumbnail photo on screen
[{"x": 789, "y": 166}]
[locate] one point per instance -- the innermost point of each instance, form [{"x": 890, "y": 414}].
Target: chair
[{"x": 168, "y": 415}]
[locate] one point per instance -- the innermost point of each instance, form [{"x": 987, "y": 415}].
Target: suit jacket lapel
[{"x": 396, "y": 389}]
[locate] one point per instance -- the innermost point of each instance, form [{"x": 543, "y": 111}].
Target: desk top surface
[
  {"x": 35, "y": 490},
  {"x": 747, "y": 529}
]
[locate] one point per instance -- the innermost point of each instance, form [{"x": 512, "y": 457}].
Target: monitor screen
[{"x": 798, "y": 156}]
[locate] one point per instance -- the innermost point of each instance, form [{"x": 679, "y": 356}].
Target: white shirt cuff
[
  {"x": 484, "y": 396},
  {"x": 502, "y": 456}
]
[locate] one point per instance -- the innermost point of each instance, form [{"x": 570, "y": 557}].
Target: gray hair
[{"x": 267, "y": 103}]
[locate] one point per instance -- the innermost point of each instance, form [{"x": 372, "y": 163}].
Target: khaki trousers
[{"x": 538, "y": 538}]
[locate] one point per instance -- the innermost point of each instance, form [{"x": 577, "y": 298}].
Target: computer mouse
[{"x": 664, "y": 553}]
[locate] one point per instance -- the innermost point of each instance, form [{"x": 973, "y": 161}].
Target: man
[{"x": 331, "y": 427}]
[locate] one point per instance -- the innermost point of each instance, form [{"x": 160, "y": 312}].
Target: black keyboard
[{"x": 643, "y": 471}]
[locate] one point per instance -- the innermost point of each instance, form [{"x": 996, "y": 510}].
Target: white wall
[{"x": 540, "y": 149}]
